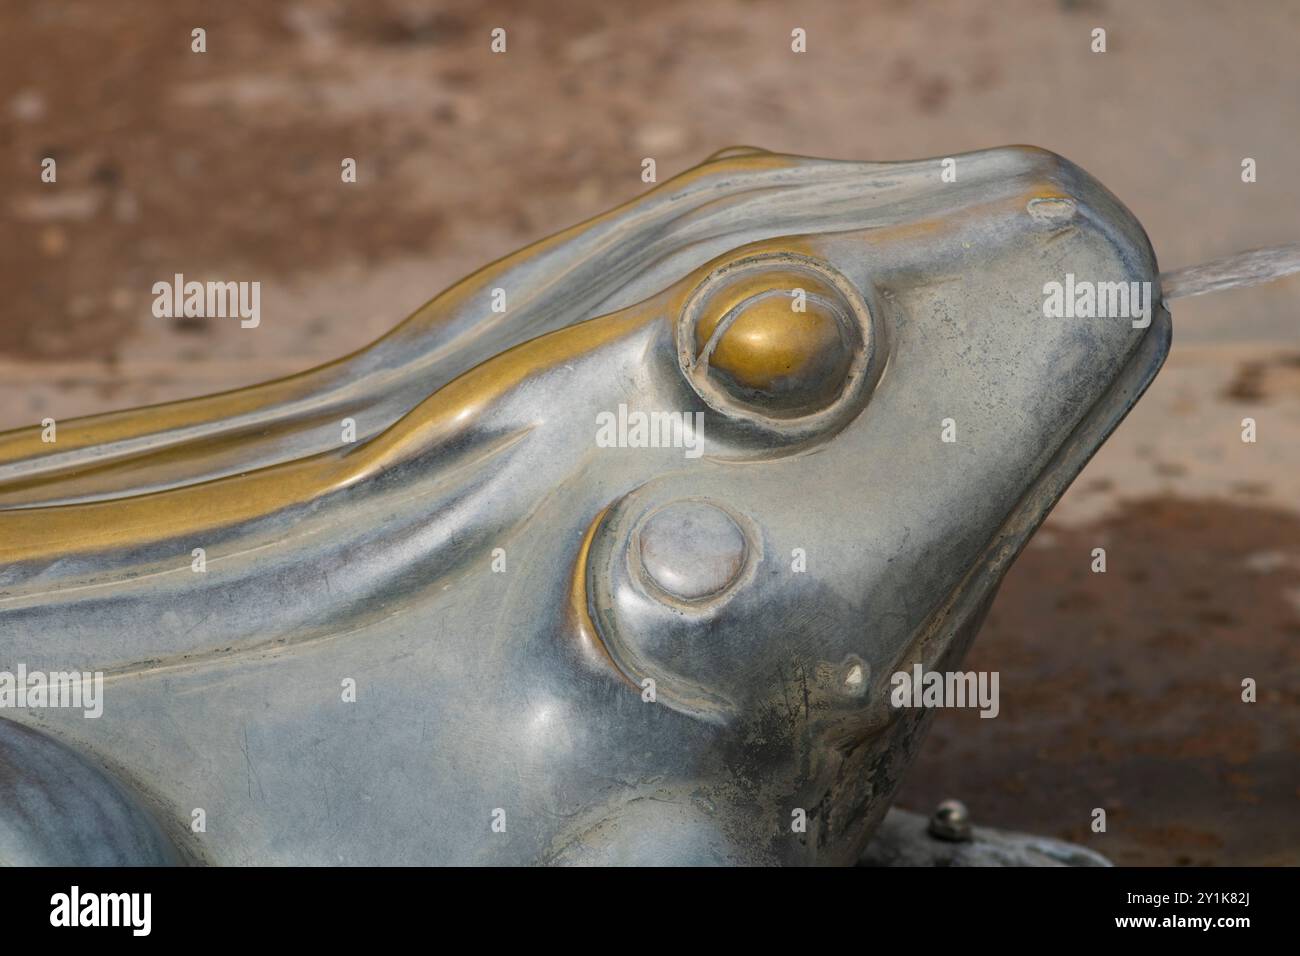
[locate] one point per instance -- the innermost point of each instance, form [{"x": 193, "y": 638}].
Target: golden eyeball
[{"x": 780, "y": 342}]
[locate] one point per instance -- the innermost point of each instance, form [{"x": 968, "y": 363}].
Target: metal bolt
[{"x": 951, "y": 822}]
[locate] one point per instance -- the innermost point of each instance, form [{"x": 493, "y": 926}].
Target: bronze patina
[{"x": 833, "y": 411}]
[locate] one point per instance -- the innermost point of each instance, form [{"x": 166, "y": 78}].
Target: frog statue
[{"x": 607, "y": 554}]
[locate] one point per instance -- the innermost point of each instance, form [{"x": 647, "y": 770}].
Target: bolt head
[{"x": 951, "y": 822}]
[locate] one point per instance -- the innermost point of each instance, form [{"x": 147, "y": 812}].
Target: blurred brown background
[{"x": 1118, "y": 690}]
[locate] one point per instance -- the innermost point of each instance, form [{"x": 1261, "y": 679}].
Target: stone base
[{"x": 904, "y": 840}]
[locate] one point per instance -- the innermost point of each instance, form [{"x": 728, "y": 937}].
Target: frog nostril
[
  {"x": 1051, "y": 210},
  {"x": 691, "y": 550}
]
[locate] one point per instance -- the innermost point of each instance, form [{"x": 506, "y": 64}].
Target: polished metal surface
[
  {"x": 58, "y": 809},
  {"x": 618, "y": 574}
]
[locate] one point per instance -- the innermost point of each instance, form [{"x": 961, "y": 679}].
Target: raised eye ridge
[{"x": 777, "y": 340}]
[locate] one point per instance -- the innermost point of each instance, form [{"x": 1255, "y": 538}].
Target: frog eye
[{"x": 777, "y": 340}]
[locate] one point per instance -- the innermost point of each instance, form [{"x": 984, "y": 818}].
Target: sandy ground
[{"x": 1119, "y": 690}]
